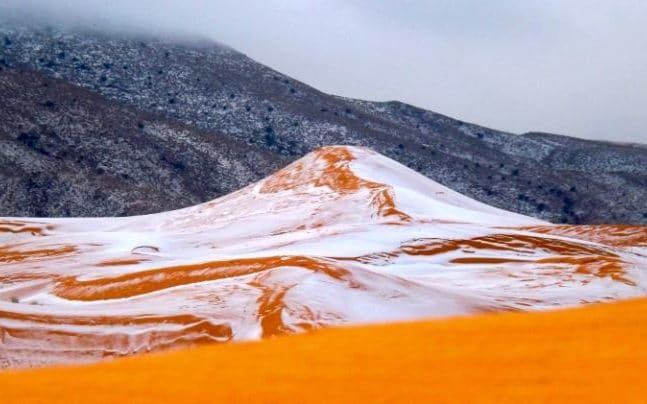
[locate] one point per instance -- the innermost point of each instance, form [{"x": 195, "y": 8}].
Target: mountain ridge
[{"x": 218, "y": 91}]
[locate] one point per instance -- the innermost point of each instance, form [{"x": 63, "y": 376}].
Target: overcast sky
[{"x": 576, "y": 67}]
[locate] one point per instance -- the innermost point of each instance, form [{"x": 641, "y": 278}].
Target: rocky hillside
[
  {"x": 145, "y": 113},
  {"x": 65, "y": 151}
]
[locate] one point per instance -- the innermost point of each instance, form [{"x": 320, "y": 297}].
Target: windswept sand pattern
[
  {"x": 342, "y": 236},
  {"x": 144, "y": 282},
  {"x": 613, "y": 235},
  {"x": 16, "y": 227}
]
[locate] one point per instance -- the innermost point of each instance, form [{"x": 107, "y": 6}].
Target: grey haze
[{"x": 574, "y": 67}]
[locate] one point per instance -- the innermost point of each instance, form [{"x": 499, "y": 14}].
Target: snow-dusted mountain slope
[
  {"x": 115, "y": 124},
  {"x": 341, "y": 236}
]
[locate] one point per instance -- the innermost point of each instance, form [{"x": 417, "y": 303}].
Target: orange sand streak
[
  {"x": 120, "y": 262},
  {"x": 8, "y": 255},
  {"x": 182, "y": 319},
  {"x": 594, "y": 354},
  {"x": 137, "y": 283},
  {"x": 270, "y": 307},
  {"x": 16, "y": 227},
  {"x": 613, "y": 235},
  {"x": 485, "y": 260}
]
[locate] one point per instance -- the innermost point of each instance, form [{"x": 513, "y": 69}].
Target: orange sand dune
[{"x": 591, "y": 354}]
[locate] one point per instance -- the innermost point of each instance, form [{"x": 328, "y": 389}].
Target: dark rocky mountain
[
  {"x": 112, "y": 124},
  {"x": 67, "y": 151}
]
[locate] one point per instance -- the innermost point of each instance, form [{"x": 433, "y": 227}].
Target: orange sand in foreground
[{"x": 593, "y": 354}]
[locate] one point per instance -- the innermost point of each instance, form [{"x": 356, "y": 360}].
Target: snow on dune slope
[{"x": 342, "y": 236}]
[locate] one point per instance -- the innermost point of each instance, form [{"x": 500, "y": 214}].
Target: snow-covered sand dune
[{"x": 342, "y": 236}]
